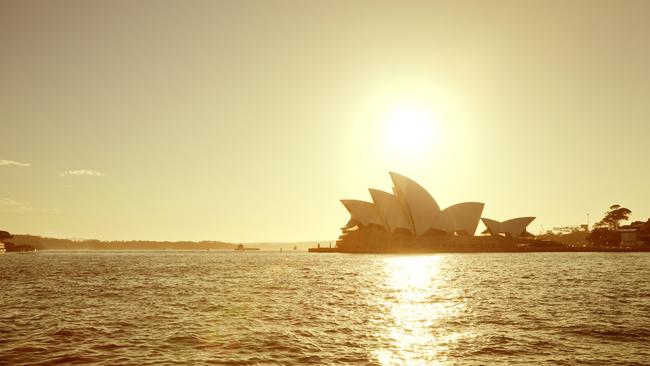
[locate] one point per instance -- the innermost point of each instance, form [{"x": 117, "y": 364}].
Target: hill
[{"x": 43, "y": 243}]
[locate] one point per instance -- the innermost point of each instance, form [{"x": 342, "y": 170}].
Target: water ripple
[{"x": 226, "y": 308}]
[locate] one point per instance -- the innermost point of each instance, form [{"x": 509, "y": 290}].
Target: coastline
[{"x": 486, "y": 250}]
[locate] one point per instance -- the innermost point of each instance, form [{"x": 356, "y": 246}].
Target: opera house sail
[{"x": 410, "y": 220}]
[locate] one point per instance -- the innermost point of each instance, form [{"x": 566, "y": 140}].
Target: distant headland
[
  {"x": 34, "y": 242},
  {"x": 30, "y": 243}
]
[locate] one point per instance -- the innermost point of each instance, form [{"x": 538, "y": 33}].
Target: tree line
[
  {"x": 43, "y": 243},
  {"x": 606, "y": 232}
]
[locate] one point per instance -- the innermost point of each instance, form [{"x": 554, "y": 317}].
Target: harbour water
[{"x": 247, "y": 308}]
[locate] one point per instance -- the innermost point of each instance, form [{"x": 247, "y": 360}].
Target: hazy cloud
[
  {"x": 10, "y": 205},
  {"x": 11, "y": 162},
  {"x": 87, "y": 172}
]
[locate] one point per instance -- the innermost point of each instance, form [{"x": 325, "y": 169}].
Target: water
[{"x": 128, "y": 308}]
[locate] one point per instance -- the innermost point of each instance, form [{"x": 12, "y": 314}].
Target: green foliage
[
  {"x": 604, "y": 237},
  {"x": 5, "y": 235},
  {"x": 634, "y": 225},
  {"x": 613, "y": 217},
  {"x": 605, "y": 232},
  {"x": 42, "y": 243}
]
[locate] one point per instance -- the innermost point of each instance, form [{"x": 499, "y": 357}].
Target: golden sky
[{"x": 249, "y": 120}]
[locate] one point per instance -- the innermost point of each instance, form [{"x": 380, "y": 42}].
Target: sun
[{"x": 410, "y": 129}]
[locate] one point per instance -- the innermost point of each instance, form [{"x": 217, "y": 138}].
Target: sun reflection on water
[{"x": 417, "y": 303}]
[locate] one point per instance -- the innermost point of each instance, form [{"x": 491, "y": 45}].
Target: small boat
[
  {"x": 242, "y": 248},
  {"x": 2, "y": 248}
]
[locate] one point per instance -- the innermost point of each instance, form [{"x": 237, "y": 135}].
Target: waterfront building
[
  {"x": 411, "y": 218},
  {"x": 4, "y": 236}
]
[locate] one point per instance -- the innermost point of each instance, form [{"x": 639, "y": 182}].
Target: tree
[
  {"x": 604, "y": 237},
  {"x": 636, "y": 225},
  {"x": 5, "y": 235},
  {"x": 613, "y": 218},
  {"x": 605, "y": 232}
]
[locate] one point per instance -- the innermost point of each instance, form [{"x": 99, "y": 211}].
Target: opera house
[{"x": 410, "y": 220}]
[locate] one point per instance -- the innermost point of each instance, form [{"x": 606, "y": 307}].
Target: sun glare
[
  {"x": 417, "y": 309},
  {"x": 410, "y": 129}
]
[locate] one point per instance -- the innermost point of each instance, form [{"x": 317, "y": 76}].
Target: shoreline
[{"x": 522, "y": 250}]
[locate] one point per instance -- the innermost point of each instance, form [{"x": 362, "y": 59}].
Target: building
[
  {"x": 628, "y": 237},
  {"x": 4, "y": 237},
  {"x": 410, "y": 219}
]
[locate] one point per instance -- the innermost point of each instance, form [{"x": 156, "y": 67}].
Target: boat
[
  {"x": 241, "y": 247},
  {"x": 2, "y": 248}
]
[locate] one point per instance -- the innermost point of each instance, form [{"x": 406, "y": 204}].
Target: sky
[{"x": 247, "y": 120}]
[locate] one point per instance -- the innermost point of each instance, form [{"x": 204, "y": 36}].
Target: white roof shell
[
  {"x": 423, "y": 209},
  {"x": 414, "y": 209},
  {"x": 391, "y": 210},
  {"x": 493, "y": 226},
  {"x": 514, "y": 227},
  {"x": 363, "y": 212},
  {"x": 461, "y": 217}
]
